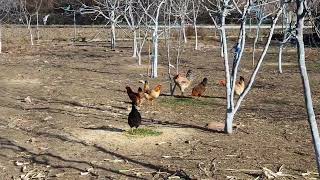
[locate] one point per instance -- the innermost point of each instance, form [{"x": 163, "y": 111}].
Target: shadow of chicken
[
  {"x": 153, "y": 94},
  {"x": 134, "y": 118},
  {"x": 183, "y": 82},
  {"x": 136, "y": 98},
  {"x": 240, "y": 85},
  {"x": 199, "y": 89}
]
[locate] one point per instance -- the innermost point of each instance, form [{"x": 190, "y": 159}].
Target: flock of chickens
[{"x": 182, "y": 82}]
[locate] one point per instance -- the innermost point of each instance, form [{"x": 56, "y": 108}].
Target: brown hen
[
  {"x": 153, "y": 94},
  {"x": 136, "y": 98},
  {"x": 199, "y": 89}
]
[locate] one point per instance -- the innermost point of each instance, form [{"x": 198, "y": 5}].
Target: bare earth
[{"x": 72, "y": 124}]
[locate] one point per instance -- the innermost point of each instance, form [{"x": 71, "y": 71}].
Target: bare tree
[
  {"x": 195, "y": 12},
  {"x": 153, "y": 10},
  {"x": 135, "y": 18},
  {"x": 130, "y": 16},
  {"x": 38, "y": 6},
  {"x": 111, "y": 10},
  {"x": 181, "y": 10},
  {"x": 223, "y": 10},
  {"x": 6, "y": 9},
  {"x": 301, "y": 12},
  {"x": 26, "y": 17}
]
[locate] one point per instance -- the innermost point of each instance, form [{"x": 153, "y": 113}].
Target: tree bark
[
  {"x": 135, "y": 45},
  {"x": 0, "y": 38},
  {"x": 301, "y": 12},
  {"x": 154, "y": 56}
]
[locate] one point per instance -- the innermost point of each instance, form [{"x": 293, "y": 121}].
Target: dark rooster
[
  {"x": 199, "y": 89},
  {"x": 134, "y": 118}
]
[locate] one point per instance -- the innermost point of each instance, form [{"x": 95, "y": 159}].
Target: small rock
[
  {"x": 187, "y": 142},
  {"x": 24, "y": 169},
  {"x": 31, "y": 140},
  {"x": 28, "y": 100},
  {"x": 89, "y": 169},
  {"x": 84, "y": 173},
  {"x": 59, "y": 174},
  {"x": 48, "y": 118},
  {"x": 159, "y": 143},
  {"x": 18, "y": 163}
]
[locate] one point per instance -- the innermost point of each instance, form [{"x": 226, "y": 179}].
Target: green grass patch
[
  {"x": 142, "y": 132},
  {"x": 176, "y": 102}
]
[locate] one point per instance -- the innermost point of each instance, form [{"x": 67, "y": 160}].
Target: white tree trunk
[
  {"x": 113, "y": 35},
  {"x": 286, "y": 23},
  {"x": 301, "y": 12},
  {"x": 139, "y": 58},
  {"x": 30, "y": 31},
  {"x": 195, "y": 15},
  {"x": 280, "y": 58},
  {"x": 183, "y": 28},
  {"x": 229, "y": 113},
  {"x": 113, "y": 30},
  {"x": 255, "y": 42},
  {"x": 74, "y": 27},
  {"x": 196, "y": 35},
  {"x": 0, "y": 38},
  {"x": 135, "y": 44},
  {"x": 154, "y": 56},
  {"x": 38, "y": 33}
]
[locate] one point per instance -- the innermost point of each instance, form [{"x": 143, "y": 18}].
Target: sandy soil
[{"x": 64, "y": 112}]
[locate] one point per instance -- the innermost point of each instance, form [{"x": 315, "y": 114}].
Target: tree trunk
[
  {"x": 30, "y": 31},
  {"x": 139, "y": 58},
  {"x": 38, "y": 33},
  {"x": 301, "y": 11},
  {"x": 183, "y": 28},
  {"x": 135, "y": 45},
  {"x": 255, "y": 42},
  {"x": 154, "y": 56},
  {"x": 196, "y": 34},
  {"x": 113, "y": 35},
  {"x": 285, "y": 25},
  {"x": 228, "y": 123},
  {"x": 280, "y": 58},
  {"x": 229, "y": 117},
  {"x": 74, "y": 27},
  {"x": 0, "y": 38}
]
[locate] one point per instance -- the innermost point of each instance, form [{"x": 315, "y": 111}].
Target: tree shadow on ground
[
  {"x": 106, "y": 128},
  {"x": 190, "y": 97},
  {"x": 179, "y": 125},
  {"x": 58, "y": 162},
  {"x": 46, "y": 158}
]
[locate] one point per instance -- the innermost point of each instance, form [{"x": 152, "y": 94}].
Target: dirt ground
[{"x": 64, "y": 111}]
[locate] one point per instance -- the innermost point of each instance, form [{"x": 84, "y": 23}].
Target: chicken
[
  {"x": 134, "y": 118},
  {"x": 239, "y": 88},
  {"x": 153, "y": 94},
  {"x": 183, "y": 82},
  {"x": 222, "y": 82},
  {"x": 146, "y": 88},
  {"x": 199, "y": 89},
  {"x": 136, "y": 98}
]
